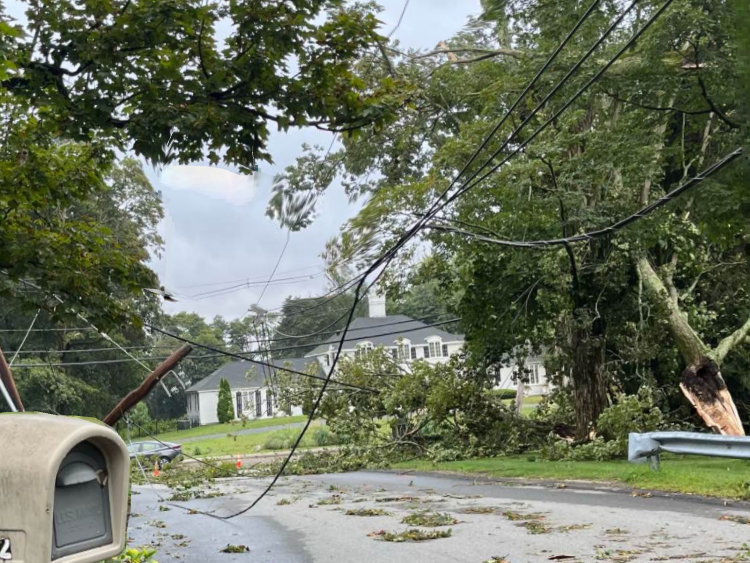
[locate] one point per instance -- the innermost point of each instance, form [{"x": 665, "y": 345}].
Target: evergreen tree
[{"x": 225, "y": 410}]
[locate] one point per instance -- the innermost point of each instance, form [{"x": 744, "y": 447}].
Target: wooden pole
[
  {"x": 10, "y": 385},
  {"x": 139, "y": 393}
]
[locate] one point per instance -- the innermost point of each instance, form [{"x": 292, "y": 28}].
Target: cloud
[{"x": 216, "y": 183}]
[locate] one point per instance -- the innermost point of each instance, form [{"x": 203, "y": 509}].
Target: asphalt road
[{"x": 589, "y": 525}]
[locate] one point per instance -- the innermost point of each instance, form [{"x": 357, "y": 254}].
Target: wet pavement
[{"x": 304, "y": 519}]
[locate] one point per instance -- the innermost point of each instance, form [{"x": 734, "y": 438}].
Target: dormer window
[
  {"x": 363, "y": 350},
  {"x": 435, "y": 348}
]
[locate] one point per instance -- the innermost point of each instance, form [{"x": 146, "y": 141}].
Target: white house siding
[
  {"x": 208, "y": 401},
  {"x": 419, "y": 354}
]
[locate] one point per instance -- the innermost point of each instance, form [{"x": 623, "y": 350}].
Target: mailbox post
[{"x": 63, "y": 489}]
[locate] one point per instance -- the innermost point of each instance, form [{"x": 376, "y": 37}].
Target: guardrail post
[{"x": 654, "y": 462}]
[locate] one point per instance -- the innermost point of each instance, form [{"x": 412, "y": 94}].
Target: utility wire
[
  {"x": 261, "y": 351},
  {"x": 400, "y": 19},
  {"x": 254, "y": 279},
  {"x": 251, "y": 360},
  {"x": 666, "y": 198},
  {"x": 161, "y": 359},
  {"x": 80, "y": 329},
  {"x": 558, "y": 113},
  {"x": 249, "y": 285},
  {"x": 384, "y": 260},
  {"x": 20, "y": 346},
  {"x": 105, "y": 336},
  {"x": 391, "y": 333},
  {"x": 286, "y": 338},
  {"x": 85, "y": 350}
]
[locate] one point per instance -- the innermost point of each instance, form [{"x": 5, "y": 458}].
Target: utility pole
[
  {"x": 139, "y": 393},
  {"x": 9, "y": 385}
]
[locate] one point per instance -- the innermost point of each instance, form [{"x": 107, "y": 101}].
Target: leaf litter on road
[
  {"x": 235, "y": 549},
  {"x": 735, "y": 518},
  {"x": 411, "y": 535},
  {"x": 367, "y": 512},
  {"x": 429, "y": 519}
]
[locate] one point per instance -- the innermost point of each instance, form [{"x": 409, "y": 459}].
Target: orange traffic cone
[
  {"x": 156, "y": 469},
  {"x": 239, "y": 462}
]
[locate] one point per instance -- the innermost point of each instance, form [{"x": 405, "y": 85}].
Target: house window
[
  {"x": 534, "y": 374},
  {"x": 445, "y": 350},
  {"x": 258, "y": 404},
  {"x": 394, "y": 353},
  {"x": 269, "y": 403},
  {"x": 436, "y": 349},
  {"x": 239, "y": 403},
  {"x": 426, "y": 351},
  {"x": 328, "y": 360},
  {"x": 404, "y": 350},
  {"x": 413, "y": 353},
  {"x": 363, "y": 350}
]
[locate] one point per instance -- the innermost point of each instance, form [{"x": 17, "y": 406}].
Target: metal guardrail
[{"x": 642, "y": 447}]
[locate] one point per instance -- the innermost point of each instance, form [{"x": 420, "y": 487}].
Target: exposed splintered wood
[{"x": 705, "y": 388}]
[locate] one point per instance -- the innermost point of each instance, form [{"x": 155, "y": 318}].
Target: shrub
[
  {"x": 132, "y": 555},
  {"x": 631, "y": 413},
  {"x": 322, "y": 436},
  {"x": 224, "y": 408},
  {"x": 281, "y": 439},
  {"x": 504, "y": 394}
]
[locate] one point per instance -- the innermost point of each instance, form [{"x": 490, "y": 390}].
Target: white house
[
  {"x": 252, "y": 396},
  {"x": 406, "y": 339},
  {"x": 533, "y": 371}
]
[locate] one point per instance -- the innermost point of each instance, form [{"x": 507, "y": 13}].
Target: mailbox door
[{"x": 82, "y": 516}]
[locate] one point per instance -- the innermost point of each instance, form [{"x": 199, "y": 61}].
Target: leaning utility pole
[
  {"x": 139, "y": 393},
  {"x": 9, "y": 385}
]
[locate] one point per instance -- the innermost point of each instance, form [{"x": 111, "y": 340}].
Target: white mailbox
[{"x": 63, "y": 489}]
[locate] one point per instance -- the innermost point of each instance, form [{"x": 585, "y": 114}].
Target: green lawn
[
  {"x": 696, "y": 475},
  {"x": 244, "y": 444},
  {"x": 227, "y": 428},
  {"x": 529, "y": 403}
]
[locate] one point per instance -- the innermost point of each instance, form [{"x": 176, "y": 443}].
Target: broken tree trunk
[
  {"x": 702, "y": 382},
  {"x": 589, "y": 377}
]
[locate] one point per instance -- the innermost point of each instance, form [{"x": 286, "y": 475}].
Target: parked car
[{"x": 165, "y": 452}]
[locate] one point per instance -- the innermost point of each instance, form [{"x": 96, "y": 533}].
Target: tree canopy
[{"x": 601, "y": 310}]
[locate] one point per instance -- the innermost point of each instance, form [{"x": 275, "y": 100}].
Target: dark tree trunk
[{"x": 589, "y": 377}]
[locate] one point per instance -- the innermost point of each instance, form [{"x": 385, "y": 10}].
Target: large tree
[
  {"x": 602, "y": 309},
  {"x": 82, "y": 80}
]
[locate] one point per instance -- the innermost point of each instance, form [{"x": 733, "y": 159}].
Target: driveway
[{"x": 303, "y": 519}]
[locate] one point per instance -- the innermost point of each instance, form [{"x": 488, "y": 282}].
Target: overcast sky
[{"x": 215, "y": 229}]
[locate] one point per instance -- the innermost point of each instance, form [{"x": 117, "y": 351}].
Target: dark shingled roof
[
  {"x": 366, "y": 329},
  {"x": 235, "y": 373}
]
